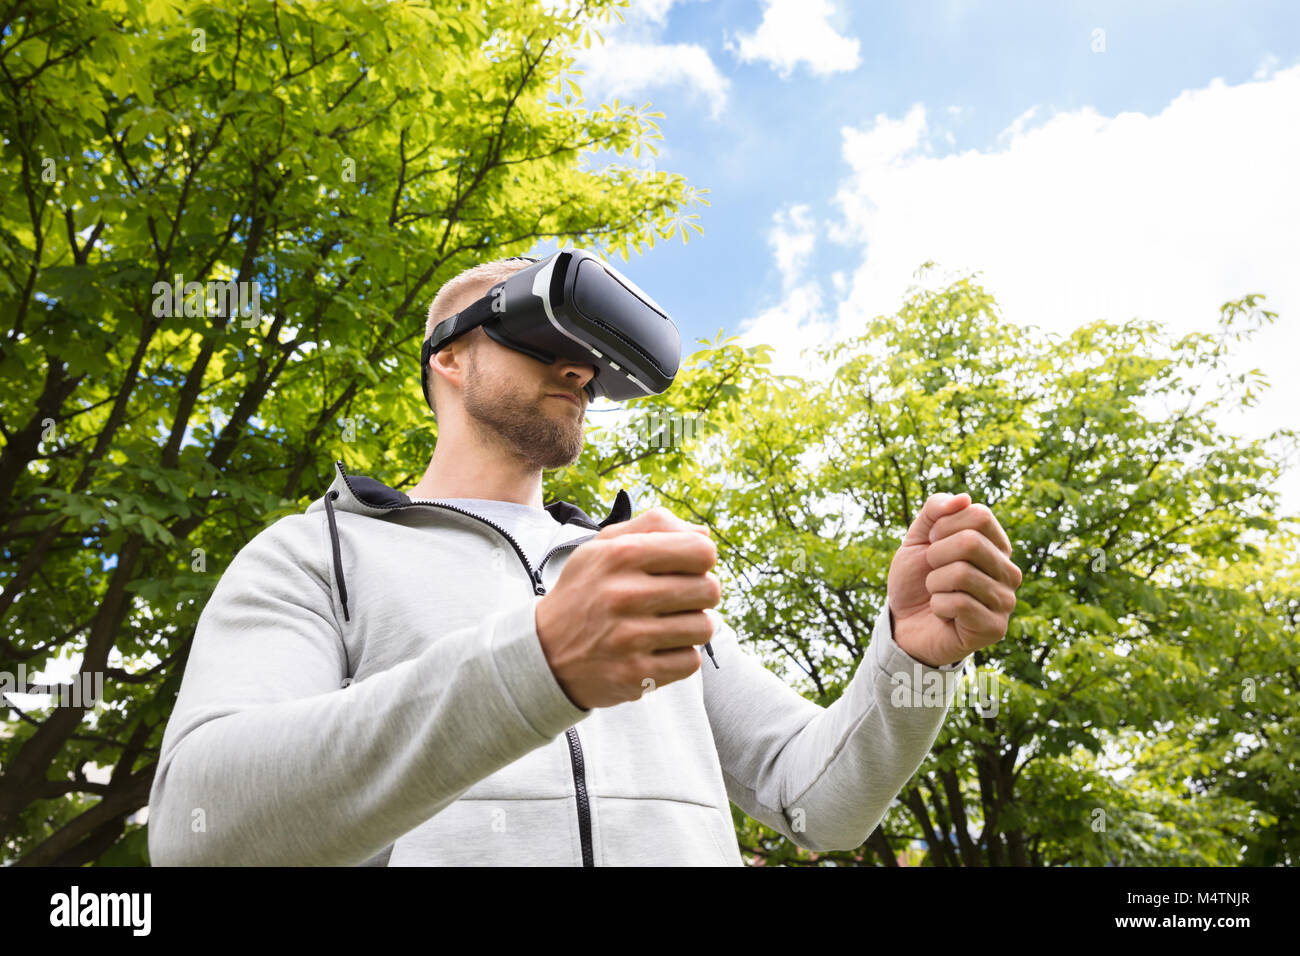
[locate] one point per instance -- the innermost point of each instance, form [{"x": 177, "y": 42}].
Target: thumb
[
  {"x": 656, "y": 519},
  {"x": 935, "y": 507}
]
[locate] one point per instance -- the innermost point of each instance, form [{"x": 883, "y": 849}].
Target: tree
[
  {"x": 1248, "y": 748},
  {"x": 335, "y": 163},
  {"x": 1125, "y": 502}
]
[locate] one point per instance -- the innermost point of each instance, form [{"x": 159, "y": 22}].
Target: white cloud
[
  {"x": 794, "y": 326},
  {"x": 656, "y": 10},
  {"x": 637, "y": 10},
  {"x": 631, "y": 62},
  {"x": 630, "y": 70},
  {"x": 1087, "y": 216},
  {"x": 886, "y": 143},
  {"x": 1266, "y": 66},
  {"x": 801, "y": 315},
  {"x": 1018, "y": 126},
  {"x": 792, "y": 239},
  {"x": 798, "y": 31}
]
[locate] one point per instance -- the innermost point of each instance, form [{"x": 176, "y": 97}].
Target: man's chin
[{"x": 566, "y": 460}]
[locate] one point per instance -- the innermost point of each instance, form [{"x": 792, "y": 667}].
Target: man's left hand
[{"x": 952, "y": 584}]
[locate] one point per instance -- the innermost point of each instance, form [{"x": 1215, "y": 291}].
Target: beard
[{"x": 522, "y": 423}]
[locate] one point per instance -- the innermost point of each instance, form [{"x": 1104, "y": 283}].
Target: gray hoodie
[{"x": 366, "y": 687}]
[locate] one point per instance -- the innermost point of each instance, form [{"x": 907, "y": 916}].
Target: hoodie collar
[
  {"x": 367, "y": 496},
  {"x": 371, "y": 497}
]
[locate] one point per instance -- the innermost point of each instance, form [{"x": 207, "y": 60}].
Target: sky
[
  {"x": 1088, "y": 160},
  {"x": 1083, "y": 160}
]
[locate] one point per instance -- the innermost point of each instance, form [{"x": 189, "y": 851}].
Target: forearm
[
  {"x": 873, "y": 739},
  {"x": 824, "y": 777},
  {"x": 333, "y": 778}
]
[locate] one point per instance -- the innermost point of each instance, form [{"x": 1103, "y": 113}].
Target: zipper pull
[{"x": 538, "y": 587}]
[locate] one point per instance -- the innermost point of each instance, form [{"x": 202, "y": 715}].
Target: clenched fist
[
  {"x": 629, "y": 605},
  {"x": 952, "y": 584}
]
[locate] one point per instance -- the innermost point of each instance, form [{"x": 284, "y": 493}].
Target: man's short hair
[{"x": 458, "y": 292}]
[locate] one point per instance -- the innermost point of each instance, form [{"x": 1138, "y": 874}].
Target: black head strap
[{"x": 476, "y": 313}]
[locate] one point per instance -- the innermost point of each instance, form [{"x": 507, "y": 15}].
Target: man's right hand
[{"x": 629, "y": 605}]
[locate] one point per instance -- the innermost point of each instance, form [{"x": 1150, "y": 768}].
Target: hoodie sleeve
[
  {"x": 823, "y": 776},
  {"x": 267, "y": 760}
]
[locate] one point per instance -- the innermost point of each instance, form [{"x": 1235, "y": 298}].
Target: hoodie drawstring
[{"x": 338, "y": 557}]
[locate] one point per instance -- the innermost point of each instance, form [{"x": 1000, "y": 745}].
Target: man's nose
[{"x": 584, "y": 371}]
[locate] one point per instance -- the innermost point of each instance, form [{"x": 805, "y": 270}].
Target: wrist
[
  {"x": 540, "y": 625},
  {"x": 903, "y": 629}
]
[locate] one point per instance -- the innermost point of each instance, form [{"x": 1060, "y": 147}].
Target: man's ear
[
  {"x": 463, "y": 353},
  {"x": 451, "y": 355}
]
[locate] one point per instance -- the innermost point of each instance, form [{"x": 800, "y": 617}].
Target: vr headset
[{"x": 576, "y": 306}]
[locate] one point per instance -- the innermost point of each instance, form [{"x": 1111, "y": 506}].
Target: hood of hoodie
[{"x": 367, "y": 496}]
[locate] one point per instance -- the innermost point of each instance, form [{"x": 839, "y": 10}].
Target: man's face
[{"x": 510, "y": 395}]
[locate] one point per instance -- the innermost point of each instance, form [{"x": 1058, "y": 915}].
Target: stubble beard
[{"x": 523, "y": 425}]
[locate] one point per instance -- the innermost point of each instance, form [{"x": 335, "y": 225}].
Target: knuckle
[
  {"x": 638, "y": 637},
  {"x": 621, "y": 594},
  {"x": 688, "y": 664},
  {"x": 624, "y": 548},
  {"x": 715, "y": 590},
  {"x": 628, "y": 674},
  {"x": 934, "y": 557}
]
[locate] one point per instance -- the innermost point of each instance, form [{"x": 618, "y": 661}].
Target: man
[{"x": 369, "y": 683}]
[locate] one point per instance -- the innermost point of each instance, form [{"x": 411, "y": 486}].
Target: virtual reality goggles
[{"x": 576, "y": 306}]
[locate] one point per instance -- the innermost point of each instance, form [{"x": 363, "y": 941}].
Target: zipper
[
  {"x": 575, "y": 745},
  {"x": 580, "y": 782},
  {"x": 535, "y": 576}
]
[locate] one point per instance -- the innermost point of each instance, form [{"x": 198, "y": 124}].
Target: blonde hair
[{"x": 459, "y": 291}]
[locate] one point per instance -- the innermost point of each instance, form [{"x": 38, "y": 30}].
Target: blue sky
[
  {"x": 843, "y": 143},
  {"x": 1090, "y": 159},
  {"x": 778, "y": 139}
]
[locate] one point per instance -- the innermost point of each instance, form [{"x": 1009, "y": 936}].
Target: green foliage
[
  {"x": 1141, "y": 529},
  {"x": 348, "y": 158}
]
